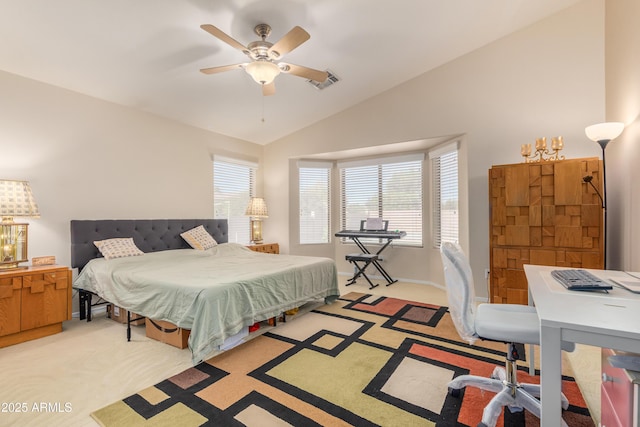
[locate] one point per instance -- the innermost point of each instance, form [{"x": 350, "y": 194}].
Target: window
[
  {"x": 444, "y": 164},
  {"x": 388, "y": 188},
  {"x": 233, "y": 187},
  {"x": 314, "y": 183}
]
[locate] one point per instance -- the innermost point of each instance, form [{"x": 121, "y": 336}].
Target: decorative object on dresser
[
  {"x": 544, "y": 214},
  {"x": 16, "y": 199},
  {"x": 603, "y": 134},
  {"x": 557, "y": 144},
  {"x": 33, "y": 303},
  {"x": 267, "y": 248},
  {"x": 43, "y": 260},
  {"x": 257, "y": 210}
]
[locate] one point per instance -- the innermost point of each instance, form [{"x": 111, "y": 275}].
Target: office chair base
[{"x": 515, "y": 396}]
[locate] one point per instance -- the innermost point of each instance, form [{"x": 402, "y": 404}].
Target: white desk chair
[{"x": 508, "y": 323}]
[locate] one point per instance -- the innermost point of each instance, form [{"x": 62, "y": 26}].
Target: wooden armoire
[{"x": 542, "y": 213}]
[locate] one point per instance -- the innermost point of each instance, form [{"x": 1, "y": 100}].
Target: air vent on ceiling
[{"x": 330, "y": 80}]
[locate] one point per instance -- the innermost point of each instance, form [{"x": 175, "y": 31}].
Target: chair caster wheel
[{"x": 454, "y": 392}]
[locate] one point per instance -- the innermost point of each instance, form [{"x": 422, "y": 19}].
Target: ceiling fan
[{"x": 263, "y": 67}]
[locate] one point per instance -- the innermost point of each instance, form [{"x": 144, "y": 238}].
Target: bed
[{"x": 215, "y": 292}]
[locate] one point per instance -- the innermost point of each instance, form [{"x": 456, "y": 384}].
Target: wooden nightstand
[
  {"x": 33, "y": 303},
  {"x": 268, "y": 248}
]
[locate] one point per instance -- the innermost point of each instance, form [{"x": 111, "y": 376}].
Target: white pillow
[
  {"x": 117, "y": 248},
  {"x": 199, "y": 239}
]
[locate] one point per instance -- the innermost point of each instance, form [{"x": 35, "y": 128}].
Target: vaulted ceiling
[{"x": 147, "y": 54}]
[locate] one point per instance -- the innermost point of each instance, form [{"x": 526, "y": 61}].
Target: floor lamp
[{"x": 603, "y": 133}]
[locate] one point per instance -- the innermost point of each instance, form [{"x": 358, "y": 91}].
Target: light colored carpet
[{"x": 61, "y": 379}]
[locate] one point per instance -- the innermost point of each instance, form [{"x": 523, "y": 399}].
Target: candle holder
[{"x": 542, "y": 153}]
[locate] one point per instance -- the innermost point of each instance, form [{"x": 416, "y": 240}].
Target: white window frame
[
  {"x": 242, "y": 175},
  {"x": 314, "y": 217},
  {"x": 381, "y": 170},
  {"x": 445, "y": 185}
]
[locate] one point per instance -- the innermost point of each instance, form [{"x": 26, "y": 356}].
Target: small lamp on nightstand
[
  {"x": 257, "y": 210},
  {"x": 16, "y": 199}
]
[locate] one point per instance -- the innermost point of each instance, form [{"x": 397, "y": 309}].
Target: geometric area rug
[{"x": 364, "y": 360}]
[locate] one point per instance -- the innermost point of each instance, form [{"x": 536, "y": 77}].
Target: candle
[
  {"x": 557, "y": 143},
  {"x": 525, "y": 150},
  {"x": 541, "y": 144}
]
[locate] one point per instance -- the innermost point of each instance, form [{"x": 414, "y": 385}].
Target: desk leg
[
  {"x": 532, "y": 360},
  {"x": 550, "y": 376},
  {"x": 532, "y": 355}
]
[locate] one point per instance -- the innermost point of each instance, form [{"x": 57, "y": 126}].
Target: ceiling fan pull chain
[{"x": 262, "y": 109}]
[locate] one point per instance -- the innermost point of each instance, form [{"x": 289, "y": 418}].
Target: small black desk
[{"x": 356, "y": 235}]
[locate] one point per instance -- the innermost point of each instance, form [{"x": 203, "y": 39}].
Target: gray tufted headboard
[{"x": 150, "y": 235}]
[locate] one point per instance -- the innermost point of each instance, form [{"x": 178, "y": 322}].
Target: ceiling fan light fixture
[{"x": 263, "y": 72}]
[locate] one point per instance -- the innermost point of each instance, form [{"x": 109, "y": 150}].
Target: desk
[
  {"x": 356, "y": 235},
  {"x": 598, "y": 319}
]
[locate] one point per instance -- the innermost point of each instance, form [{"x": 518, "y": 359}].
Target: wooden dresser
[
  {"x": 33, "y": 302},
  {"x": 544, "y": 214},
  {"x": 268, "y": 248}
]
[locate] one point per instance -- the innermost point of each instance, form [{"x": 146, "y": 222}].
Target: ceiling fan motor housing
[
  {"x": 262, "y": 30},
  {"x": 258, "y": 49}
]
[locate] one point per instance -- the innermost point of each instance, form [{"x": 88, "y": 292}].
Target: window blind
[
  {"x": 384, "y": 189},
  {"x": 444, "y": 164},
  {"x": 315, "y": 204},
  {"x": 233, "y": 187}
]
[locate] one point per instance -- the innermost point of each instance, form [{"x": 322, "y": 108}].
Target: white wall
[
  {"x": 90, "y": 159},
  {"x": 545, "y": 80},
  {"x": 623, "y": 154}
]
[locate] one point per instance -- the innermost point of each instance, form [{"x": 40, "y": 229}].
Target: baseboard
[
  {"x": 418, "y": 282},
  {"x": 95, "y": 310}
]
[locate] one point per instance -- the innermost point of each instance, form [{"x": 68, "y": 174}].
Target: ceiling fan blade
[
  {"x": 214, "y": 70},
  {"x": 306, "y": 72},
  {"x": 269, "y": 89},
  {"x": 216, "y": 32},
  {"x": 290, "y": 41}
]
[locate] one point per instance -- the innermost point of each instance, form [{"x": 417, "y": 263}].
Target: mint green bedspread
[{"x": 214, "y": 293}]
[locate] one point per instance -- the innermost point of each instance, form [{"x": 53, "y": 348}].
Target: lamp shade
[
  {"x": 257, "y": 208},
  {"x": 604, "y": 131},
  {"x": 262, "y": 71},
  {"x": 16, "y": 199}
]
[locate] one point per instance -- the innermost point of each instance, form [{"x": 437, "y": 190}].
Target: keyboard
[{"x": 580, "y": 280}]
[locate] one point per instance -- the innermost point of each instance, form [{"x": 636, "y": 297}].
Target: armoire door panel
[
  {"x": 590, "y": 216},
  {"x": 517, "y": 235},
  {"x": 568, "y": 183},
  {"x": 517, "y": 185}
]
